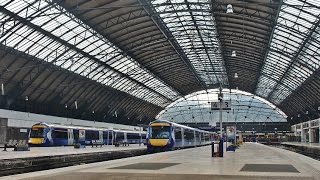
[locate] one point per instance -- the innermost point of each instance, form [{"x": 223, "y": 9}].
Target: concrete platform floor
[
  {"x": 62, "y": 150},
  {"x": 195, "y": 164}
]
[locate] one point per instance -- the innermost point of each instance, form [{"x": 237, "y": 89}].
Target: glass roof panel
[
  {"x": 291, "y": 59},
  {"x": 65, "y": 26},
  {"x": 245, "y": 107},
  {"x": 193, "y": 26}
]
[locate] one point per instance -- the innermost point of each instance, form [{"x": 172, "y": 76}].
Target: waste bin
[
  {"x": 212, "y": 149},
  {"x": 221, "y": 148}
]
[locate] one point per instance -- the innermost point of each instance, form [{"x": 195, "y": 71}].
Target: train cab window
[
  {"x": 160, "y": 132},
  {"x": 37, "y": 133}
]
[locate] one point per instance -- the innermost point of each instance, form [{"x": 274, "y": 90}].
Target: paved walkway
[{"x": 196, "y": 164}]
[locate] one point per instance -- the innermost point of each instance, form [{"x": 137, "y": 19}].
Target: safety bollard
[
  {"x": 5, "y": 147},
  {"x": 212, "y": 149}
]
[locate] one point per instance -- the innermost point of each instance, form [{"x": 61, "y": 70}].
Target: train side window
[
  {"x": 60, "y": 134},
  {"x": 189, "y": 135},
  {"x": 177, "y": 133},
  {"x": 76, "y": 134},
  {"x": 120, "y": 136},
  {"x": 105, "y": 135},
  {"x": 110, "y": 135}
]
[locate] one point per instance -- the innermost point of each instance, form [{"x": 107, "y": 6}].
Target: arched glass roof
[
  {"x": 246, "y": 107},
  {"x": 52, "y": 34},
  {"x": 154, "y": 52},
  {"x": 293, "y": 55}
]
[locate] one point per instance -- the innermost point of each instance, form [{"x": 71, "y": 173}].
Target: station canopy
[{"x": 127, "y": 60}]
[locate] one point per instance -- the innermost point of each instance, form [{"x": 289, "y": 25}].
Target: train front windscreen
[
  {"x": 37, "y": 132},
  {"x": 159, "y": 132}
]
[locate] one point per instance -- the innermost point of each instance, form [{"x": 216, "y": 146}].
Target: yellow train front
[{"x": 160, "y": 136}]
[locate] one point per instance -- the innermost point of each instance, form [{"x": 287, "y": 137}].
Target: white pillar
[
  {"x": 311, "y": 135},
  {"x": 319, "y": 134},
  {"x": 303, "y": 136}
]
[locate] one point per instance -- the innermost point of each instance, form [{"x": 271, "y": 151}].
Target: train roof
[{"x": 179, "y": 125}]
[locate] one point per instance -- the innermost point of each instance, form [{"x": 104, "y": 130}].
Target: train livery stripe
[
  {"x": 159, "y": 142},
  {"x": 38, "y": 126},
  {"x": 36, "y": 140},
  {"x": 160, "y": 124}
]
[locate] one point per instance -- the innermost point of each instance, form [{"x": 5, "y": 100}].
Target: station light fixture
[
  {"x": 2, "y": 89},
  {"x": 298, "y": 115},
  {"x": 319, "y": 108},
  {"x": 233, "y": 54},
  {"x": 307, "y": 112},
  {"x": 27, "y": 98},
  {"x": 236, "y": 75},
  {"x": 229, "y": 9}
]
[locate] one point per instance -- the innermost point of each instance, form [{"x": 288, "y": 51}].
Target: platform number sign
[
  {"x": 215, "y": 105},
  {"x": 226, "y": 105}
]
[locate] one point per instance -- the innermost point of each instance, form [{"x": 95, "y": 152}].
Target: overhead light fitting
[
  {"x": 307, "y": 112},
  {"x": 229, "y": 9},
  {"x": 233, "y": 54},
  {"x": 236, "y": 75}
]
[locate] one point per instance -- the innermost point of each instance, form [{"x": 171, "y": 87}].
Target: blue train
[
  {"x": 43, "y": 134},
  {"x": 164, "y": 135}
]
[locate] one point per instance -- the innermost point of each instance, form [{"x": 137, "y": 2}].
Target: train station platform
[
  {"x": 250, "y": 161},
  {"x": 62, "y": 150},
  {"x": 42, "y": 158}
]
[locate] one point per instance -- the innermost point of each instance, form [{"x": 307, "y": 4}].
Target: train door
[
  {"x": 101, "y": 136},
  {"x": 110, "y": 137},
  {"x": 76, "y": 136},
  {"x": 70, "y": 137}
]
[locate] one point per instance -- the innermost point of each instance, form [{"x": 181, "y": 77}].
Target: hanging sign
[{"x": 226, "y": 105}]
